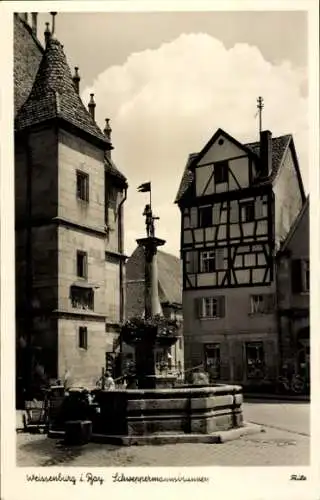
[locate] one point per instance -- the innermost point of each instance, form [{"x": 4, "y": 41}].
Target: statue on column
[{"x": 149, "y": 221}]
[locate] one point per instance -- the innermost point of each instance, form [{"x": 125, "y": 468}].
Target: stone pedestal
[
  {"x": 78, "y": 431},
  {"x": 152, "y": 303}
]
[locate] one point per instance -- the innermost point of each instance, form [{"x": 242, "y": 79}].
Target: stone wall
[
  {"x": 84, "y": 364},
  {"x": 76, "y": 154}
]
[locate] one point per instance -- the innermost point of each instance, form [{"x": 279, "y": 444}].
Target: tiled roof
[
  {"x": 111, "y": 169},
  {"x": 169, "y": 284},
  {"x": 53, "y": 95},
  {"x": 302, "y": 218},
  {"x": 279, "y": 147}
]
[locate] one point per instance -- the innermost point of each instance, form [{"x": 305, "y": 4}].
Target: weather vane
[{"x": 260, "y": 105}]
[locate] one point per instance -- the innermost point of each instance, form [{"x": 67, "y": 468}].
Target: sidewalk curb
[{"x": 276, "y": 397}]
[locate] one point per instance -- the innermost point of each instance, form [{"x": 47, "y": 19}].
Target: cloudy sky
[{"x": 168, "y": 80}]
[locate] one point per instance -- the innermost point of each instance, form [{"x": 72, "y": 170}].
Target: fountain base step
[{"x": 171, "y": 438}]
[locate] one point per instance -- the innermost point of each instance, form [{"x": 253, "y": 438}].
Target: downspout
[
  {"x": 120, "y": 248},
  {"x": 29, "y": 267}
]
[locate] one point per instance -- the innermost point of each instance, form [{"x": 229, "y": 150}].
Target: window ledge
[
  {"x": 211, "y": 318},
  {"x": 253, "y": 315}
]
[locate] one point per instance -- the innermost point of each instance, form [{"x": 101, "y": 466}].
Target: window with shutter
[
  {"x": 211, "y": 307},
  {"x": 216, "y": 214},
  {"x": 191, "y": 259},
  {"x": 247, "y": 211},
  {"x": 259, "y": 208},
  {"x": 193, "y": 217},
  {"x": 262, "y": 304},
  {"x": 219, "y": 258},
  {"x": 207, "y": 261},
  {"x": 234, "y": 213}
]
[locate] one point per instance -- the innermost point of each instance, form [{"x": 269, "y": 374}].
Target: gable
[
  {"x": 224, "y": 165},
  {"x": 222, "y": 148}
]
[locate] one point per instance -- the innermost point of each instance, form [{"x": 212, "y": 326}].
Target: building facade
[
  {"x": 69, "y": 199},
  {"x": 170, "y": 297},
  {"x": 293, "y": 287},
  {"x": 238, "y": 203}
]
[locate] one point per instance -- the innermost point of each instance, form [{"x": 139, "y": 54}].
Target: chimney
[
  {"x": 265, "y": 153},
  {"x": 107, "y": 132},
  {"x": 34, "y": 16},
  {"x": 76, "y": 79},
  {"x": 47, "y": 33},
  {"x": 91, "y": 106}
]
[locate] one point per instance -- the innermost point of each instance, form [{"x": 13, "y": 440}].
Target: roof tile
[
  {"x": 53, "y": 95},
  {"x": 169, "y": 280}
]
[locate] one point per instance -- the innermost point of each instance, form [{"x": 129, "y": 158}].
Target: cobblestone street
[{"x": 285, "y": 442}]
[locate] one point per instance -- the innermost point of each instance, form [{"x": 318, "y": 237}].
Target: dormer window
[{"x": 221, "y": 172}]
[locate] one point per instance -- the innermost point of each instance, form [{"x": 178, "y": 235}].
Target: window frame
[
  {"x": 221, "y": 167},
  {"x": 267, "y": 299},
  {"x": 202, "y": 210},
  {"x": 82, "y": 192},
  {"x": 84, "y": 255},
  {"x": 244, "y": 206},
  {"x": 211, "y": 308},
  {"x": 204, "y": 259},
  {"x": 83, "y": 341}
]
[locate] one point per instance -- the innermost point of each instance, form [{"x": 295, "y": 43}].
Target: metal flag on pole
[{"x": 145, "y": 188}]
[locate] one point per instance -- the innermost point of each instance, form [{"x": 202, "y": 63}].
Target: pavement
[{"x": 285, "y": 440}]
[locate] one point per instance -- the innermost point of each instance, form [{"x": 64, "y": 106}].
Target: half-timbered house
[{"x": 237, "y": 202}]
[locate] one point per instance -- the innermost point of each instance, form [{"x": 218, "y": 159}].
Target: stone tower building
[{"x": 69, "y": 218}]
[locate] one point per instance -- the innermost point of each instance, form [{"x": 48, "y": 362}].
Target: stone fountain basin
[{"x": 178, "y": 410}]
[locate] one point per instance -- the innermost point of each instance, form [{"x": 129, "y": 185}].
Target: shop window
[
  {"x": 255, "y": 360},
  {"x": 212, "y": 360}
]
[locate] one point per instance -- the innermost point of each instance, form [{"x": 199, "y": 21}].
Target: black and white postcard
[{"x": 159, "y": 222}]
